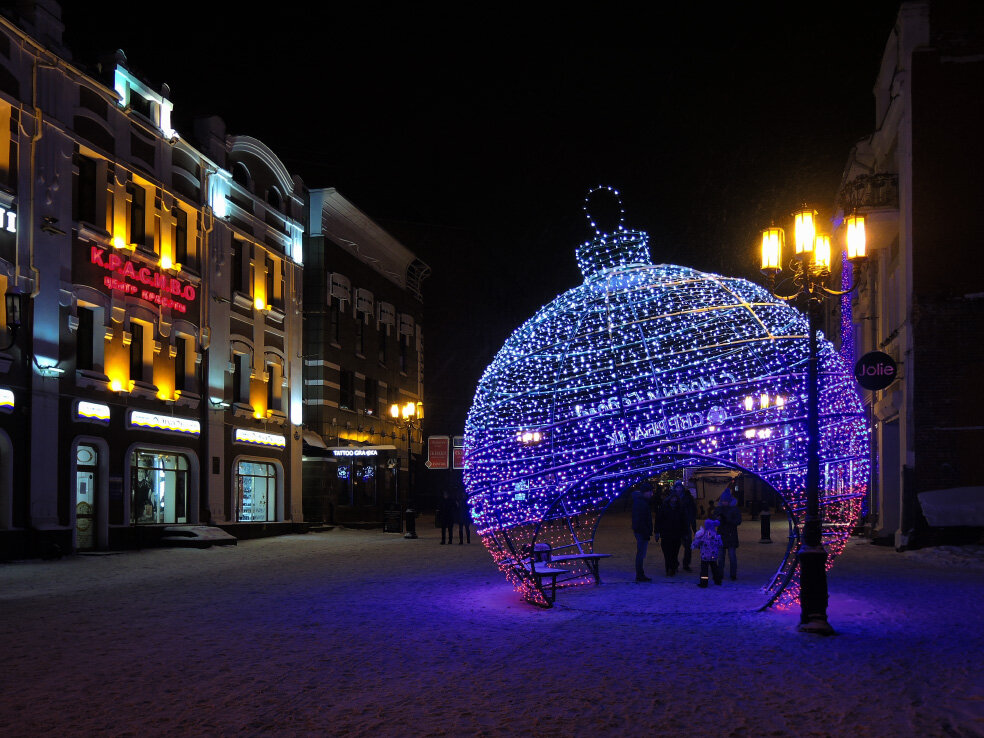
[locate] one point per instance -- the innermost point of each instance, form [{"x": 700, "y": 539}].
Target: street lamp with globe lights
[
  {"x": 411, "y": 414},
  {"x": 809, "y": 275}
]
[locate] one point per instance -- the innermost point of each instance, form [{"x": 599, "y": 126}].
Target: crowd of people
[{"x": 673, "y": 523}]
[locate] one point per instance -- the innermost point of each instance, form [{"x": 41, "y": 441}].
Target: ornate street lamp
[
  {"x": 809, "y": 275},
  {"x": 411, "y": 414}
]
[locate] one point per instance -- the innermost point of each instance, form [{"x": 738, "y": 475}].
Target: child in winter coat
[{"x": 709, "y": 543}]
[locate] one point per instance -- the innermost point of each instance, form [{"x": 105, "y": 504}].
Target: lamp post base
[{"x": 813, "y": 590}]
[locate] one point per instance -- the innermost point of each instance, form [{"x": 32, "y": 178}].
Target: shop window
[
  {"x": 159, "y": 488},
  {"x": 240, "y": 379},
  {"x": 85, "y": 190},
  {"x": 346, "y": 390},
  {"x": 86, "y": 465},
  {"x": 137, "y": 197},
  {"x": 256, "y": 492}
]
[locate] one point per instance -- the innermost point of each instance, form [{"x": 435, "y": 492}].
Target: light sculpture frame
[{"x": 641, "y": 369}]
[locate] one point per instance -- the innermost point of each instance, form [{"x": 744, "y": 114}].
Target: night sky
[{"x": 472, "y": 133}]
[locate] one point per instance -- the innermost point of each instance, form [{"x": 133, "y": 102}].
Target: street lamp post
[
  {"x": 411, "y": 414},
  {"x": 809, "y": 275}
]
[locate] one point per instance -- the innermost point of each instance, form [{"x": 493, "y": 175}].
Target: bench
[
  {"x": 540, "y": 571},
  {"x": 590, "y": 559}
]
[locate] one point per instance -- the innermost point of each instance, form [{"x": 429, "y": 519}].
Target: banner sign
[
  {"x": 459, "y": 458},
  {"x": 438, "y": 452},
  {"x": 875, "y": 370}
]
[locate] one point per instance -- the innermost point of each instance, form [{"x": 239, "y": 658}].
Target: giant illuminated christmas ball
[{"x": 642, "y": 369}]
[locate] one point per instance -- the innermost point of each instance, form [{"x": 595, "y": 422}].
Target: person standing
[
  {"x": 642, "y": 526},
  {"x": 449, "y": 513},
  {"x": 689, "y": 508},
  {"x": 464, "y": 519},
  {"x": 729, "y": 515},
  {"x": 709, "y": 543},
  {"x": 672, "y": 523}
]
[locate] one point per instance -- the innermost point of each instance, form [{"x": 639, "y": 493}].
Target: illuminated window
[
  {"x": 256, "y": 492},
  {"x": 158, "y": 487}
]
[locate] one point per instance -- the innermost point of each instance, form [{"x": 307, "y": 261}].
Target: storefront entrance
[
  {"x": 86, "y": 462},
  {"x": 159, "y": 487}
]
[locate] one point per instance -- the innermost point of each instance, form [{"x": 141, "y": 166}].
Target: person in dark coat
[
  {"x": 729, "y": 515},
  {"x": 464, "y": 520},
  {"x": 689, "y": 508},
  {"x": 448, "y": 511},
  {"x": 672, "y": 522},
  {"x": 642, "y": 526}
]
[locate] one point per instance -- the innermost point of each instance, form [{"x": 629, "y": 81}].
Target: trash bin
[{"x": 392, "y": 519}]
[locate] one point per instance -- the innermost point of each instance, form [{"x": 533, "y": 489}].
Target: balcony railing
[{"x": 870, "y": 191}]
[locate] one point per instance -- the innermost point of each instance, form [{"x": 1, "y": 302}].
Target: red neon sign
[{"x": 168, "y": 289}]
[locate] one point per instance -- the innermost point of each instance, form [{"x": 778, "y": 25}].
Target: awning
[{"x": 314, "y": 440}]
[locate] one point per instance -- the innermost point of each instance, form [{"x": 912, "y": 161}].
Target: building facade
[
  {"x": 363, "y": 353},
  {"x": 150, "y": 370},
  {"x": 916, "y": 179}
]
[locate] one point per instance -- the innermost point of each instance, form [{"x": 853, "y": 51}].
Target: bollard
[{"x": 766, "y": 517}]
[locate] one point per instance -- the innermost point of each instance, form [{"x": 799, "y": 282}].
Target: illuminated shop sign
[
  {"x": 8, "y": 220},
  {"x": 6, "y": 400},
  {"x": 164, "y": 422},
  {"x": 355, "y": 452},
  {"x": 259, "y": 438},
  {"x": 92, "y": 411},
  {"x": 148, "y": 284}
]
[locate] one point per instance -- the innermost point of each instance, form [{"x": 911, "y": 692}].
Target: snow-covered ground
[{"x": 364, "y": 633}]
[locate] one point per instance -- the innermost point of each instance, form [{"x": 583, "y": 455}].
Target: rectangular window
[
  {"x": 180, "y": 236},
  {"x": 237, "y": 265},
  {"x": 383, "y": 340},
  {"x": 360, "y": 336},
  {"x": 86, "y": 187},
  {"x": 270, "y": 267},
  {"x": 404, "y": 351},
  {"x": 180, "y": 364},
  {"x": 240, "y": 379},
  {"x": 84, "y": 337},
  {"x": 333, "y": 325},
  {"x": 346, "y": 390},
  {"x": 372, "y": 397},
  {"x": 136, "y": 351},
  {"x": 138, "y": 215}
]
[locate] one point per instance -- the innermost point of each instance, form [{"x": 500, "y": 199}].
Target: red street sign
[
  {"x": 459, "y": 458},
  {"x": 438, "y": 450}
]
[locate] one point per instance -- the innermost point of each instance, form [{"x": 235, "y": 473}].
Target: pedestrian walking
[
  {"x": 464, "y": 519},
  {"x": 689, "y": 508},
  {"x": 730, "y": 518},
  {"x": 448, "y": 512},
  {"x": 642, "y": 526},
  {"x": 708, "y": 542},
  {"x": 672, "y": 522}
]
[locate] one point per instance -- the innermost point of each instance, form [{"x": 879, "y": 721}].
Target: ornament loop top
[{"x": 606, "y": 202}]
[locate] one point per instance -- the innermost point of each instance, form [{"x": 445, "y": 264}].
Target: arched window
[
  {"x": 274, "y": 198},
  {"x": 240, "y": 175}
]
